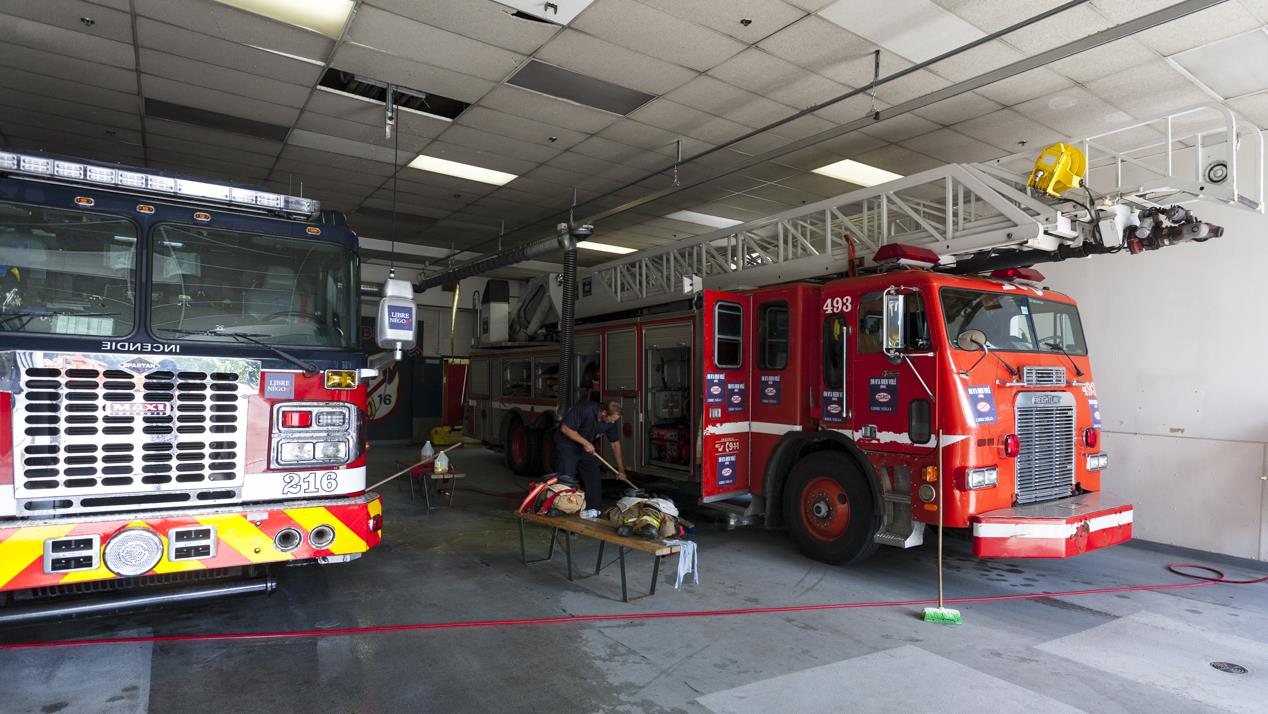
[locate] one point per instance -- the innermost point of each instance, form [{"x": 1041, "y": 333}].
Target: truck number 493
[{"x": 838, "y": 304}]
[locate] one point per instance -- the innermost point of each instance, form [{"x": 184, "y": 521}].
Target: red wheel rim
[
  {"x": 825, "y": 508},
  {"x": 519, "y": 444}
]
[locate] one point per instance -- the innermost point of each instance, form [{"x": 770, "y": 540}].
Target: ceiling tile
[
  {"x": 1123, "y": 10},
  {"x": 520, "y": 128},
  {"x": 1253, "y": 108},
  {"x": 650, "y": 138},
  {"x": 721, "y": 99},
  {"x": 212, "y": 137},
  {"x": 481, "y": 20},
  {"x": 979, "y": 60},
  {"x": 1006, "y": 129},
  {"x": 371, "y": 113},
  {"x": 213, "y": 50},
  {"x": 160, "y": 145},
  {"x": 811, "y": 5},
  {"x": 36, "y": 35},
  {"x": 410, "y": 142},
  {"x": 992, "y": 15},
  {"x": 898, "y": 159},
  {"x": 70, "y": 68},
  {"x": 1166, "y": 90},
  {"x": 803, "y": 127},
  {"x": 74, "y": 145},
  {"x": 1074, "y": 112},
  {"x": 900, "y": 127},
  {"x": 958, "y": 108},
  {"x": 337, "y": 164},
  {"x": 614, "y": 151},
  {"x": 816, "y": 184},
  {"x": 106, "y": 23},
  {"x": 652, "y": 32},
  {"x": 910, "y": 86},
  {"x": 1214, "y": 23},
  {"x": 531, "y": 151},
  {"x": 29, "y": 82},
  {"x": 767, "y": 16},
  {"x": 412, "y": 40},
  {"x": 381, "y": 150},
  {"x": 69, "y": 109},
  {"x": 211, "y": 100},
  {"x": 1027, "y": 85},
  {"x": 1106, "y": 61},
  {"x": 591, "y": 56},
  {"x": 677, "y": 118},
  {"x": 953, "y": 147},
  {"x": 476, "y": 157},
  {"x": 232, "y": 81},
  {"x": 1060, "y": 29},
  {"x": 371, "y": 63},
  {"x": 815, "y": 44},
  {"x": 1258, "y": 8},
  {"x": 548, "y": 110},
  {"x": 229, "y": 23},
  {"x": 17, "y": 112}
]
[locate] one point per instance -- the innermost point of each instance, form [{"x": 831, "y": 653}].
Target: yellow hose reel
[{"x": 1058, "y": 169}]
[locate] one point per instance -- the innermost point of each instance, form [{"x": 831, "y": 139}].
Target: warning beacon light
[
  {"x": 907, "y": 255},
  {"x": 1022, "y": 275},
  {"x": 394, "y": 329}
]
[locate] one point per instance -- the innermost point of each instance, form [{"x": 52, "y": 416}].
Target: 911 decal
[{"x": 294, "y": 484}]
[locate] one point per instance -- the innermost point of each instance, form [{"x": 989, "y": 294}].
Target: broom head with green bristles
[{"x": 943, "y": 616}]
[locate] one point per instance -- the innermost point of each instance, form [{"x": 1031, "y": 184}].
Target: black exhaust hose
[{"x": 566, "y": 321}]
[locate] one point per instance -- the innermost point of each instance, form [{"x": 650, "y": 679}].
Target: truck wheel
[
  {"x": 545, "y": 449},
  {"x": 829, "y": 510},
  {"x": 519, "y": 447}
]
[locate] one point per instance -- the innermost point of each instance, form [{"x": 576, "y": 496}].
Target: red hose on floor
[{"x": 1216, "y": 577}]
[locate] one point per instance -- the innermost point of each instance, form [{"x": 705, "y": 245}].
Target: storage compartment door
[{"x": 724, "y": 468}]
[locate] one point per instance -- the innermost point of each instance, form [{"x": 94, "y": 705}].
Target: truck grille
[
  {"x": 1043, "y": 376},
  {"x": 1045, "y": 427},
  {"x": 99, "y": 439}
]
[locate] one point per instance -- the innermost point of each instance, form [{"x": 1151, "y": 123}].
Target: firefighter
[{"x": 574, "y": 448}]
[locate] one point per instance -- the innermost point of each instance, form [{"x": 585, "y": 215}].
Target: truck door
[
  {"x": 724, "y": 469},
  {"x": 891, "y": 398}
]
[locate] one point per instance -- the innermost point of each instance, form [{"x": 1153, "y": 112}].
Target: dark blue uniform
[{"x": 571, "y": 460}]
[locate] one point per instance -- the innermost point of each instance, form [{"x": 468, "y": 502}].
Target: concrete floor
[{"x": 1123, "y": 652}]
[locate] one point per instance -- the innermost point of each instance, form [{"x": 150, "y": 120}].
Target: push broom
[{"x": 941, "y": 615}]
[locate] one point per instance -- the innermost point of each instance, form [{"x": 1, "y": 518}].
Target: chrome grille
[
  {"x": 1045, "y": 427},
  {"x": 97, "y": 439},
  {"x": 1043, "y": 376}
]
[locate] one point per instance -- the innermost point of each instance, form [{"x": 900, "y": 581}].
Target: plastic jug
[
  {"x": 441, "y": 463},
  {"x": 426, "y": 454}
]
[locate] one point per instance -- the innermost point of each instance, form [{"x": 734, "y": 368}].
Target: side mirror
[
  {"x": 394, "y": 328},
  {"x": 971, "y": 340},
  {"x": 892, "y": 323}
]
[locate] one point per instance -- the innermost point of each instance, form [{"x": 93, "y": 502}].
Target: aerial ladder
[{"x": 1133, "y": 188}]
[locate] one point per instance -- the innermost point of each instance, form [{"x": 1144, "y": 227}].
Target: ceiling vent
[
  {"x": 214, "y": 120},
  {"x": 374, "y": 90},
  {"x": 565, "y": 84}
]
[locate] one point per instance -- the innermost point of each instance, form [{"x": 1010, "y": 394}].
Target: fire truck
[
  {"x": 181, "y": 387},
  {"x": 873, "y": 363}
]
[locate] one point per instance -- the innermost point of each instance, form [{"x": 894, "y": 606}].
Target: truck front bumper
[
  {"x": 1055, "y": 529},
  {"x": 49, "y": 552}
]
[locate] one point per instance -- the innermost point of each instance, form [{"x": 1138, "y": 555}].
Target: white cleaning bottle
[
  {"x": 442, "y": 463},
  {"x": 426, "y": 454}
]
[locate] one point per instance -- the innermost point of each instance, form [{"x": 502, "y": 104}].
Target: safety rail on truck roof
[{"x": 957, "y": 210}]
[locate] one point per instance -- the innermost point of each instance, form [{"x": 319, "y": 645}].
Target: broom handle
[
  {"x": 411, "y": 467},
  {"x": 613, "y": 469}
]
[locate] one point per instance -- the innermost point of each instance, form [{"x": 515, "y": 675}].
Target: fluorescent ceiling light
[
  {"x": 287, "y": 55},
  {"x": 326, "y": 17},
  {"x": 704, "y": 219},
  {"x": 857, "y": 173},
  {"x": 464, "y": 171},
  {"x": 1230, "y": 68},
  {"x": 915, "y": 29},
  {"x": 605, "y": 247}
]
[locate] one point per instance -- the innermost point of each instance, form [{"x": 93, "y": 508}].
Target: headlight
[
  {"x": 332, "y": 451},
  {"x": 982, "y": 478},
  {"x": 332, "y": 419},
  {"x": 295, "y": 451},
  {"x": 1097, "y": 462}
]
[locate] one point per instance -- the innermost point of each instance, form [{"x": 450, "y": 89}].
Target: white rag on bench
[{"x": 687, "y": 561}]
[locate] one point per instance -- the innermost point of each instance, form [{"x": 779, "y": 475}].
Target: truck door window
[
  {"x": 915, "y": 323},
  {"x": 772, "y": 336},
  {"x": 516, "y": 381},
  {"x": 833, "y": 351},
  {"x": 728, "y": 337}
]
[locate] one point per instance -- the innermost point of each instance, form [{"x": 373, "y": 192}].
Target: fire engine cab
[{"x": 876, "y": 362}]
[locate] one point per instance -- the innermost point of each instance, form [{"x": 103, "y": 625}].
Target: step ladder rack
[{"x": 957, "y": 210}]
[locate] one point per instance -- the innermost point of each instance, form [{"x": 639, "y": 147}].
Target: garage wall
[{"x": 1179, "y": 345}]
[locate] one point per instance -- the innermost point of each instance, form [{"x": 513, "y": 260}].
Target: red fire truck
[
  {"x": 181, "y": 389},
  {"x": 849, "y": 399}
]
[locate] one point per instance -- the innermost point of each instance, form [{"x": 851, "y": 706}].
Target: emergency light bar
[{"x": 135, "y": 181}]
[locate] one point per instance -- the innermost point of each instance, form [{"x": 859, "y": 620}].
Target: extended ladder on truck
[{"x": 960, "y": 212}]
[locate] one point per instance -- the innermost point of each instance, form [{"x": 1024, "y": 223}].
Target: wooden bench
[{"x": 601, "y": 531}]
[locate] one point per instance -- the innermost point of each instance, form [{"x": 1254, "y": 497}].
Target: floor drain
[{"x": 1229, "y": 667}]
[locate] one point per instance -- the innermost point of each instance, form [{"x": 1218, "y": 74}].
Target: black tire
[
  {"x": 517, "y": 444},
  {"x": 828, "y": 487},
  {"x": 544, "y": 447}
]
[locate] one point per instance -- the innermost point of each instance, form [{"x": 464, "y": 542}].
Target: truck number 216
[
  {"x": 838, "y": 304},
  {"x": 293, "y": 483}
]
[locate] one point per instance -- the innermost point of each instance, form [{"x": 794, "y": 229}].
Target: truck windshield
[
  {"x": 1014, "y": 322},
  {"x": 283, "y": 291},
  {"x": 66, "y": 272}
]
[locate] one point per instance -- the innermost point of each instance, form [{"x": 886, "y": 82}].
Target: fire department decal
[
  {"x": 770, "y": 387},
  {"x": 882, "y": 394},
  {"x": 982, "y": 401},
  {"x": 833, "y": 406},
  {"x": 735, "y": 397},
  {"x": 714, "y": 386},
  {"x": 1095, "y": 406},
  {"x": 728, "y": 468},
  {"x": 279, "y": 385}
]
